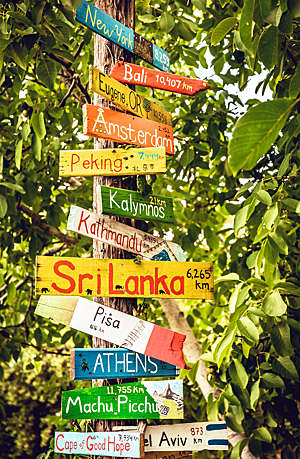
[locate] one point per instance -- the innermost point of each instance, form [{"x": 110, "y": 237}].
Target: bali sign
[{"x": 138, "y": 400}]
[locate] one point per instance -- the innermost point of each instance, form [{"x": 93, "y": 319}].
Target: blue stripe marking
[
  {"x": 216, "y": 427},
  {"x": 218, "y": 442}
]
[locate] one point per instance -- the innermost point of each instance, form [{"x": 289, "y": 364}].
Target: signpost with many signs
[
  {"x": 123, "y": 278},
  {"x": 115, "y": 327},
  {"x": 138, "y": 400},
  {"x": 124, "y": 97},
  {"x": 120, "y": 127},
  {"x": 114, "y": 161},
  {"x": 143, "y": 76},
  {"x": 114, "y": 363},
  {"x": 111, "y": 29},
  {"x": 103, "y": 229}
]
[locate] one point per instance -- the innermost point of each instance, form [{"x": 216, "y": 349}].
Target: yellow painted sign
[
  {"x": 117, "y": 161},
  {"x": 124, "y": 97},
  {"x": 123, "y": 278}
]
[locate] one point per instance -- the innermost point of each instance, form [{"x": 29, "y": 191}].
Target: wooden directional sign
[
  {"x": 117, "y": 161},
  {"x": 138, "y": 400},
  {"x": 113, "y": 363},
  {"x": 124, "y": 97},
  {"x": 135, "y": 74},
  {"x": 114, "y": 326},
  {"x": 130, "y": 204},
  {"x": 103, "y": 24},
  {"x": 104, "y": 229},
  {"x": 120, "y": 127},
  {"x": 123, "y": 278},
  {"x": 118, "y": 444}
]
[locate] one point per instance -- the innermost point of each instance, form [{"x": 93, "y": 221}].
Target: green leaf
[
  {"x": 280, "y": 336},
  {"x": 13, "y": 186},
  {"x": 3, "y": 206},
  {"x": 261, "y": 433},
  {"x": 292, "y": 204},
  {"x": 200, "y": 4},
  {"x": 294, "y": 87},
  {"x": 240, "y": 219},
  {"x": 264, "y": 197},
  {"x": 212, "y": 408},
  {"x": 25, "y": 131},
  {"x": 18, "y": 153},
  {"x": 236, "y": 452},
  {"x": 19, "y": 55},
  {"x": 222, "y": 29},
  {"x": 38, "y": 124},
  {"x": 184, "y": 31},
  {"x": 286, "y": 24},
  {"x": 238, "y": 374},
  {"x": 272, "y": 381},
  {"x": 286, "y": 367},
  {"x": 274, "y": 305},
  {"x": 187, "y": 157},
  {"x": 280, "y": 242},
  {"x": 224, "y": 346},
  {"x": 248, "y": 329},
  {"x": 256, "y": 131},
  {"x": 147, "y": 18},
  {"x": 37, "y": 147},
  {"x": 227, "y": 278},
  {"x": 46, "y": 72},
  {"x": 254, "y": 396},
  {"x": 38, "y": 336},
  {"x": 245, "y": 26},
  {"x": 268, "y": 47},
  {"x": 167, "y": 22},
  {"x": 270, "y": 216}
]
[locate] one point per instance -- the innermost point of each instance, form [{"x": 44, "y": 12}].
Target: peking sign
[
  {"x": 119, "y": 444},
  {"x": 111, "y": 29},
  {"x": 138, "y": 400},
  {"x": 124, "y": 97},
  {"x": 103, "y": 229},
  {"x": 115, "y": 327},
  {"x": 135, "y": 74},
  {"x": 120, "y": 127},
  {"x": 123, "y": 278},
  {"x": 113, "y": 363},
  {"x": 116, "y": 161}
]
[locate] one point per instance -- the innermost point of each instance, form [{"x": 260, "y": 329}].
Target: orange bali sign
[{"x": 120, "y": 127}]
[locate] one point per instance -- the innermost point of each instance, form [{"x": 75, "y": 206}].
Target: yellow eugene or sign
[
  {"x": 124, "y": 97},
  {"x": 123, "y": 278}
]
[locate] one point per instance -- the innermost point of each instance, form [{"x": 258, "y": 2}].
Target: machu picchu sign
[
  {"x": 115, "y": 327},
  {"x": 123, "y": 278},
  {"x": 118, "y": 444},
  {"x": 123, "y": 128},
  {"x": 137, "y": 400},
  {"x": 111, "y": 29},
  {"x": 102, "y": 228},
  {"x": 137, "y": 75},
  {"x": 113, "y": 363},
  {"x": 130, "y": 204},
  {"x": 124, "y": 97},
  {"x": 117, "y": 161}
]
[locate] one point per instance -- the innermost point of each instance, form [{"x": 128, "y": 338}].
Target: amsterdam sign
[
  {"x": 115, "y": 327},
  {"x": 120, "y": 127}
]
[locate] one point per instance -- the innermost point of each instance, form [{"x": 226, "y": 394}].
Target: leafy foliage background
[{"x": 234, "y": 182}]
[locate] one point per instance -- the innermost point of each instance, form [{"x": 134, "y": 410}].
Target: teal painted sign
[
  {"x": 138, "y": 400},
  {"x": 111, "y": 29}
]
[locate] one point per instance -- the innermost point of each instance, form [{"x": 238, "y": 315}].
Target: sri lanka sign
[
  {"x": 120, "y": 127},
  {"x": 117, "y": 363},
  {"x": 115, "y": 327},
  {"x": 124, "y": 97},
  {"x": 103, "y": 229},
  {"x": 130, "y": 204},
  {"x": 138, "y": 400},
  {"x": 123, "y": 278},
  {"x": 119, "y": 444},
  {"x": 135, "y": 74},
  {"x": 117, "y": 161},
  {"x": 111, "y": 29}
]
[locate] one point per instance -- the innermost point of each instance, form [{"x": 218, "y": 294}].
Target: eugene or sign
[
  {"x": 119, "y": 444},
  {"x": 117, "y": 161},
  {"x": 130, "y": 204},
  {"x": 135, "y": 74},
  {"x": 115, "y": 327},
  {"x": 124, "y": 97},
  {"x": 120, "y": 127},
  {"x": 138, "y": 400},
  {"x": 113, "y": 363},
  {"x": 123, "y": 278},
  {"x": 103, "y": 229},
  {"x": 111, "y": 29}
]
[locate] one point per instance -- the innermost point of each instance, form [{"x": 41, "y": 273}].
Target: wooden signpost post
[
  {"x": 135, "y": 74},
  {"x": 130, "y": 204},
  {"x": 120, "y": 127},
  {"x": 124, "y": 97},
  {"x": 116, "y": 161},
  {"x": 123, "y": 278},
  {"x": 115, "y": 327},
  {"x": 138, "y": 400},
  {"x": 111, "y": 363},
  {"x": 119, "y": 444},
  {"x": 103, "y": 229},
  {"x": 111, "y": 29}
]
